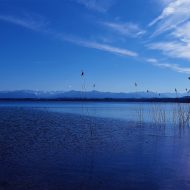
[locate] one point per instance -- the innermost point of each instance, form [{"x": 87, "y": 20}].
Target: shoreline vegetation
[{"x": 165, "y": 100}]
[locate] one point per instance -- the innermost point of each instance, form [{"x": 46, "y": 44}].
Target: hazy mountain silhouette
[{"x": 78, "y": 94}]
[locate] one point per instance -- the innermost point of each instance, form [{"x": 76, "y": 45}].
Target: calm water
[
  {"x": 42, "y": 147},
  {"x": 126, "y": 111}
]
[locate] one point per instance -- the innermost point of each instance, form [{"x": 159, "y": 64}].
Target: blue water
[
  {"x": 41, "y": 148},
  {"x": 126, "y": 111}
]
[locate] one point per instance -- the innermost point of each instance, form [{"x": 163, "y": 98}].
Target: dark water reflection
[{"x": 52, "y": 151}]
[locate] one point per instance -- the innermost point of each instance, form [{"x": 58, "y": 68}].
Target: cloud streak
[
  {"x": 102, "y": 47},
  {"x": 173, "y": 49},
  {"x": 174, "y": 14},
  {"x": 174, "y": 24},
  {"x": 36, "y": 23},
  {"x": 174, "y": 67},
  {"x": 97, "y": 5},
  {"x": 126, "y": 29}
]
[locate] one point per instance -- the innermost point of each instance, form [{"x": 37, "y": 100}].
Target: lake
[
  {"x": 126, "y": 111},
  {"x": 96, "y": 146}
]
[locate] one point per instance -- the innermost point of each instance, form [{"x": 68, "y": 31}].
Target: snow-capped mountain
[{"x": 21, "y": 94}]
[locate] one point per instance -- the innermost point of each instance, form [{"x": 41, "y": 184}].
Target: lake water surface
[
  {"x": 93, "y": 146},
  {"x": 126, "y": 111}
]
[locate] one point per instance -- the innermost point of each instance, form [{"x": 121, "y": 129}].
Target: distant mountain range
[{"x": 24, "y": 94}]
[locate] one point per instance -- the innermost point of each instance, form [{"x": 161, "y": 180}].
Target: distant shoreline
[{"x": 164, "y": 100}]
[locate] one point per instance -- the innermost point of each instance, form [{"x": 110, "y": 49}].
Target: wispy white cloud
[
  {"x": 126, "y": 29},
  {"x": 36, "y": 22},
  {"x": 173, "y": 49},
  {"x": 174, "y": 23},
  {"x": 40, "y": 25},
  {"x": 101, "y": 46},
  {"x": 151, "y": 60},
  {"x": 174, "y": 14},
  {"x": 97, "y": 5},
  {"x": 174, "y": 67},
  {"x": 182, "y": 33}
]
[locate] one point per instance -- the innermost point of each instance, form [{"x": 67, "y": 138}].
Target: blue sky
[{"x": 45, "y": 44}]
